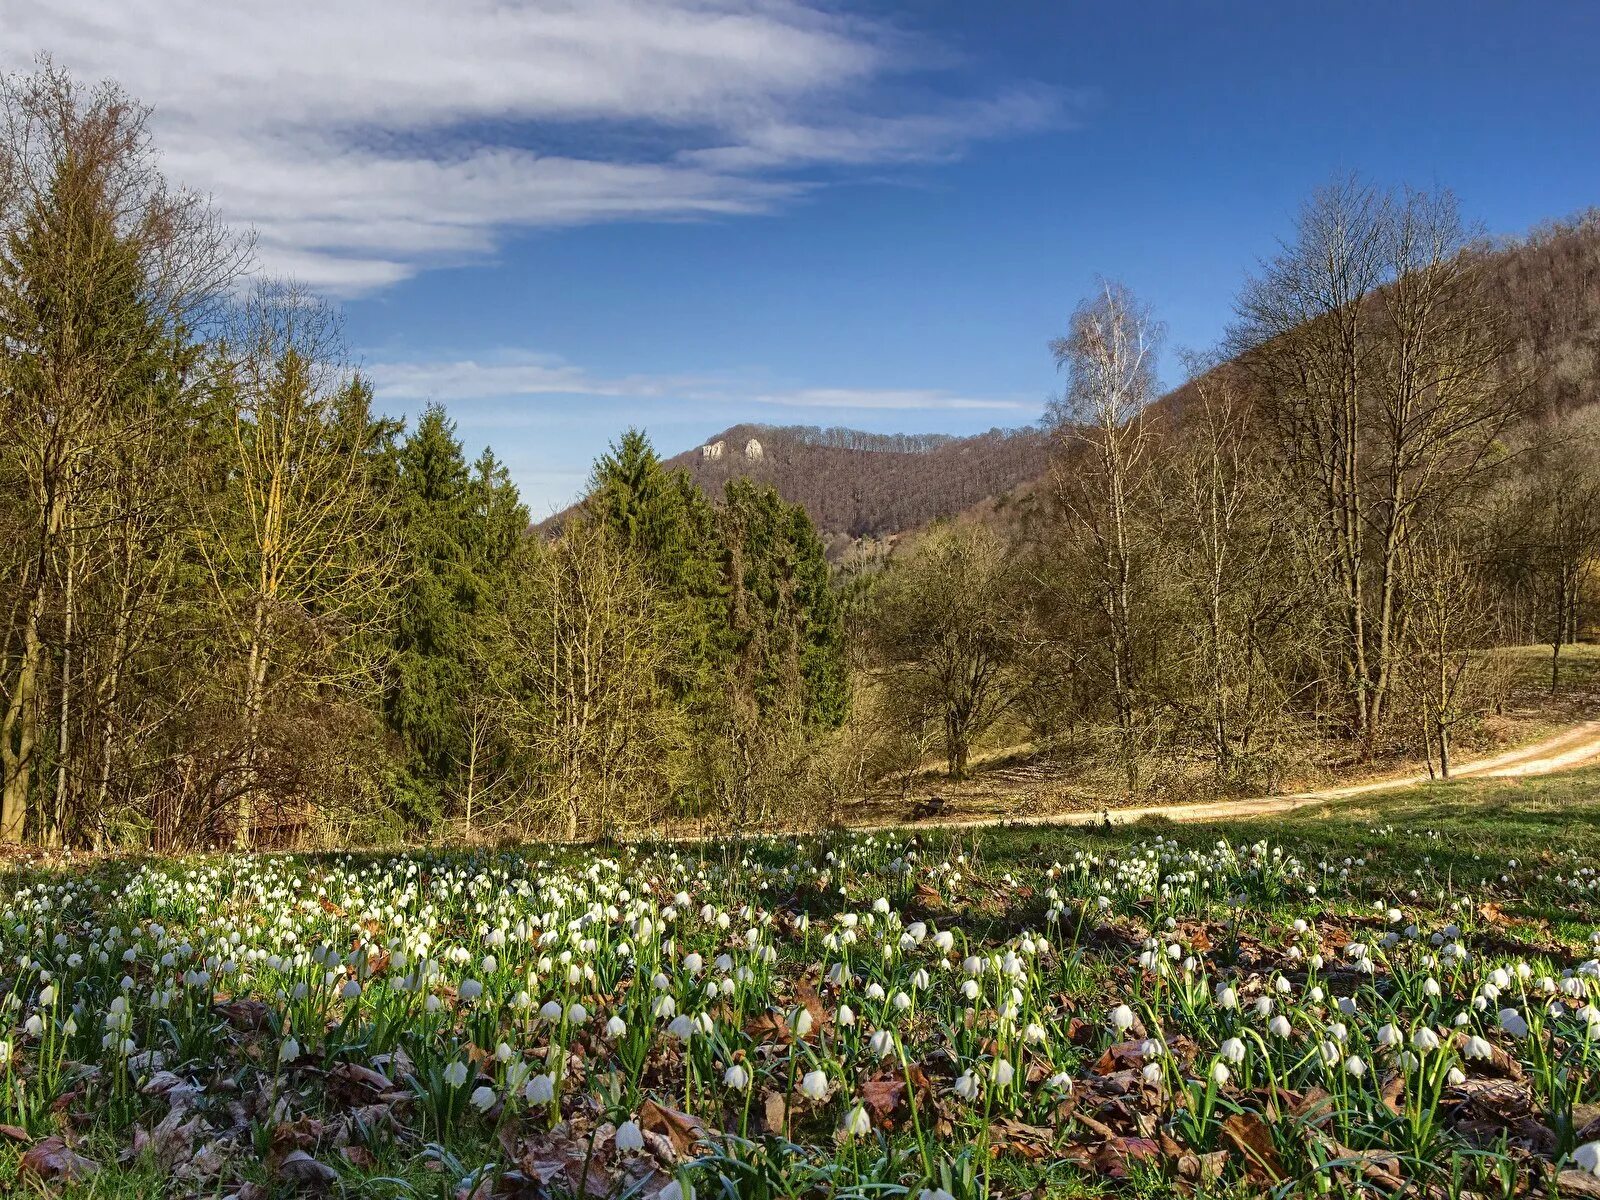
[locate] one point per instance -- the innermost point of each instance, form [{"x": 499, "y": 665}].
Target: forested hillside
[
  {"x": 1544, "y": 290},
  {"x": 858, "y": 485}
]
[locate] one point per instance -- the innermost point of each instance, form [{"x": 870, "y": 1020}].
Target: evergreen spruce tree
[{"x": 458, "y": 530}]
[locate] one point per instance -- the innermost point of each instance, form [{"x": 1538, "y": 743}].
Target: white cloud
[
  {"x": 367, "y": 139},
  {"x": 521, "y": 375}
]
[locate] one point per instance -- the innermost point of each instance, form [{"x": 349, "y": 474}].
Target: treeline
[
  {"x": 857, "y": 485},
  {"x": 1310, "y": 551},
  {"x": 240, "y": 607}
]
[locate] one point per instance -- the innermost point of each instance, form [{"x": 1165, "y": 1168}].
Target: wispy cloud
[
  {"x": 519, "y": 375},
  {"x": 367, "y": 139}
]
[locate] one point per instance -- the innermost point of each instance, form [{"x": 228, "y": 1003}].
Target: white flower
[
  {"x": 881, "y": 1043},
  {"x": 676, "y": 1191},
  {"x": 1425, "y": 1039},
  {"x": 289, "y": 1051},
  {"x": 1511, "y": 1021},
  {"x": 1388, "y": 1035},
  {"x": 1232, "y": 1050},
  {"x": 682, "y": 1027},
  {"x": 483, "y": 1099},
  {"x": 616, "y": 1027},
  {"x": 857, "y": 1124},
  {"x": 541, "y": 1089},
  {"x": 456, "y": 1073},
  {"x": 814, "y": 1085},
  {"x": 1219, "y": 1073},
  {"x": 1121, "y": 1018},
  {"x": 351, "y": 990},
  {"x": 736, "y": 1077},
  {"x": 1477, "y": 1047},
  {"x": 846, "y": 1015},
  {"x": 1279, "y": 1026},
  {"x": 1004, "y": 1072},
  {"x": 629, "y": 1138},
  {"x": 800, "y": 1021},
  {"x": 1587, "y": 1157},
  {"x": 967, "y": 1086},
  {"x": 1355, "y": 1066},
  {"x": 469, "y": 990}
]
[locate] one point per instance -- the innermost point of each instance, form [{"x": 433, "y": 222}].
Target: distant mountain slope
[
  {"x": 1545, "y": 288},
  {"x": 860, "y": 485}
]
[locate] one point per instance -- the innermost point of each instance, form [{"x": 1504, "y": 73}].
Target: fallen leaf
[
  {"x": 1113, "y": 1156},
  {"x": 54, "y": 1159},
  {"x": 773, "y": 1111},
  {"x": 1249, "y": 1134},
  {"x": 882, "y": 1096},
  {"x": 679, "y": 1128},
  {"x": 301, "y": 1169}
]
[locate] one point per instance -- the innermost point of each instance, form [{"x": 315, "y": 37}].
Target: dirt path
[{"x": 1573, "y": 748}]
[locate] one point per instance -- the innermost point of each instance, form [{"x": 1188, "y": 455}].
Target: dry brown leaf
[
  {"x": 300, "y": 1169},
  {"x": 679, "y": 1128},
  {"x": 1249, "y": 1134},
  {"x": 54, "y": 1159},
  {"x": 882, "y": 1096}
]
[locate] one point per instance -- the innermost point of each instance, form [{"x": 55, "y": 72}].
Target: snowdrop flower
[
  {"x": 1121, "y": 1018},
  {"x": 800, "y": 1021},
  {"x": 1388, "y": 1035},
  {"x": 1511, "y": 1021},
  {"x": 1425, "y": 1039},
  {"x": 1587, "y": 1158},
  {"x": 469, "y": 990},
  {"x": 846, "y": 1016},
  {"x": 676, "y": 1191},
  {"x": 1355, "y": 1066},
  {"x": 1004, "y": 1072},
  {"x": 1279, "y": 1026},
  {"x": 483, "y": 1099},
  {"x": 616, "y": 1027},
  {"x": 736, "y": 1077},
  {"x": 541, "y": 1089},
  {"x": 1232, "y": 1050},
  {"x": 857, "y": 1124},
  {"x": 1219, "y": 1073},
  {"x": 456, "y": 1073},
  {"x": 814, "y": 1085},
  {"x": 967, "y": 1086},
  {"x": 1477, "y": 1048},
  {"x": 289, "y": 1051},
  {"x": 629, "y": 1138}
]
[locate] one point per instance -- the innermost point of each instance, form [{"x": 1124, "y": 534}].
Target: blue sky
[{"x": 565, "y": 218}]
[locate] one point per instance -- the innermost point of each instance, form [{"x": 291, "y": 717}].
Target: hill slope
[
  {"x": 1546, "y": 288},
  {"x": 860, "y": 485}
]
